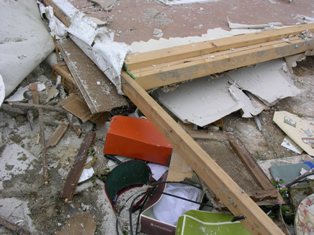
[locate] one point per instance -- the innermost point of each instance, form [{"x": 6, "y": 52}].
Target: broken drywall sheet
[
  {"x": 247, "y": 106},
  {"x": 292, "y": 60},
  {"x": 57, "y": 28},
  {"x": 206, "y": 100},
  {"x": 266, "y": 80},
  {"x": 301, "y": 131},
  {"x": 304, "y": 19},
  {"x": 253, "y": 26},
  {"x": 178, "y": 2},
  {"x": 106, "y": 5},
  {"x": 24, "y": 41},
  {"x": 201, "y": 101},
  {"x": 97, "y": 42},
  {"x": 216, "y": 33}
]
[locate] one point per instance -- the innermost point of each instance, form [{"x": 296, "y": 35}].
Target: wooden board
[
  {"x": 196, "y": 67},
  {"x": 232, "y": 156},
  {"x": 76, "y": 171},
  {"x": 139, "y": 60},
  {"x": 98, "y": 92},
  {"x": 233, "y": 197}
]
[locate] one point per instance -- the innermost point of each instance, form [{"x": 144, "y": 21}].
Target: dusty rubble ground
[{"x": 38, "y": 207}]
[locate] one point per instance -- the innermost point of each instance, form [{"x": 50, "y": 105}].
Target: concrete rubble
[{"x": 78, "y": 157}]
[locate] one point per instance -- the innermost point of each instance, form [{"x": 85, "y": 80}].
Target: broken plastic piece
[{"x": 126, "y": 175}]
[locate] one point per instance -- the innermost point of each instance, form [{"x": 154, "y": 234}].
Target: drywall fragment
[
  {"x": 178, "y": 2},
  {"x": 299, "y": 130},
  {"x": 201, "y": 101},
  {"x": 96, "y": 41},
  {"x": 158, "y": 33},
  {"x": 304, "y": 19},
  {"x": 291, "y": 61},
  {"x": 19, "y": 94},
  {"x": 289, "y": 144},
  {"x": 56, "y": 27},
  {"x": 206, "y": 100},
  {"x": 267, "y": 81},
  {"x": 24, "y": 41},
  {"x": 253, "y": 26},
  {"x": 107, "y": 5},
  {"x": 248, "y": 108},
  {"x": 211, "y": 34}
]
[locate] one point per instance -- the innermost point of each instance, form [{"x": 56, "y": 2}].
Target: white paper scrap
[
  {"x": 157, "y": 170},
  {"x": 289, "y": 144},
  {"x": 86, "y": 174}
]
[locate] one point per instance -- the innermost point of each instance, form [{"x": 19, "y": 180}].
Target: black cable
[
  {"x": 149, "y": 191},
  {"x": 175, "y": 182},
  {"x": 119, "y": 212},
  {"x": 300, "y": 178},
  {"x": 130, "y": 211},
  {"x": 147, "y": 196}
]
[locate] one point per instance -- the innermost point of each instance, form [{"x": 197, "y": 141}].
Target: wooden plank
[
  {"x": 98, "y": 92},
  {"x": 238, "y": 164},
  {"x": 247, "y": 159},
  {"x": 140, "y": 60},
  {"x": 77, "y": 106},
  {"x": 238, "y": 202},
  {"x": 76, "y": 171},
  {"x": 57, "y": 135},
  {"x": 66, "y": 77},
  {"x": 180, "y": 71}
]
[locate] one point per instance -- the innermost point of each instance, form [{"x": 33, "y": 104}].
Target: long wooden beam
[
  {"x": 238, "y": 202},
  {"x": 139, "y": 60},
  {"x": 196, "y": 67}
]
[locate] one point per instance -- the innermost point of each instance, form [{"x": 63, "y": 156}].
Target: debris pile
[{"x": 208, "y": 137}]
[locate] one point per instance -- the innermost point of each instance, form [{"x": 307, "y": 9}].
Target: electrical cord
[{"x": 147, "y": 194}]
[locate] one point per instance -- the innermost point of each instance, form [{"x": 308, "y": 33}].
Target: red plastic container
[{"x": 137, "y": 138}]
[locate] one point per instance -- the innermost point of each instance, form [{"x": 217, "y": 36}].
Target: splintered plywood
[{"x": 98, "y": 92}]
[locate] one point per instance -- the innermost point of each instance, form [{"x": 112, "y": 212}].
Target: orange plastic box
[{"x": 137, "y": 138}]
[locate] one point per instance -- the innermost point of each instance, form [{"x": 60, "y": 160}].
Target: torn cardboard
[{"x": 301, "y": 131}]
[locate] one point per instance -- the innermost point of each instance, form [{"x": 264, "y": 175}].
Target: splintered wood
[
  {"x": 76, "y": 171},
  {"x": 178, "y": 64},
  {"x": 98, "y": 92}
]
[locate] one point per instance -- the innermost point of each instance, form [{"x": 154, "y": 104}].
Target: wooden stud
[
  {"x": 139, "y": 60},
  {"x": 183, "y": 70},
  {"x": 238, "y": 202}
]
